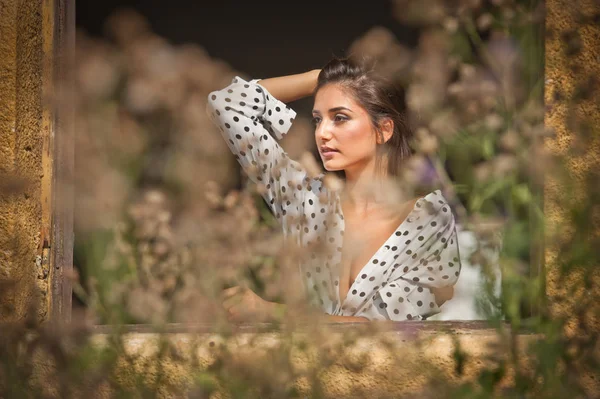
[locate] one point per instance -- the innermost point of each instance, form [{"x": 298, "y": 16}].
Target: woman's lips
[{"x": 328, "y": 153}]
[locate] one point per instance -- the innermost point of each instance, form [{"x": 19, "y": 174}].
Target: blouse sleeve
[
  {"x": 434, "y": 262},
  {"x": 247, "y": 116}
]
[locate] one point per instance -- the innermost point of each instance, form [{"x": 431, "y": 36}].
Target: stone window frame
[{"x": 58, "y": 67}]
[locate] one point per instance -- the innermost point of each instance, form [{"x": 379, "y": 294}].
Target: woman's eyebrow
[{"x": 335, "y": 109}]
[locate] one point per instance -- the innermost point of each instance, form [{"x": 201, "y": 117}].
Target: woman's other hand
[{"x": 243, "y": 305}]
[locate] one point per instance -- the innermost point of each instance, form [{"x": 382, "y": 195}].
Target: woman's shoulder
[{"x": 433, "y": 207}]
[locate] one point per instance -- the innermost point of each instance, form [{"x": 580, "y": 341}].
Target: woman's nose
[{"x": 323, "y": 132}]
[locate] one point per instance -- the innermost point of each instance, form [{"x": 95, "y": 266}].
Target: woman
[{"x": 404, "y": 260}]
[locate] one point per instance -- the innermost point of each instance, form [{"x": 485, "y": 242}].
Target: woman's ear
[{"x": 387, "y": 130}]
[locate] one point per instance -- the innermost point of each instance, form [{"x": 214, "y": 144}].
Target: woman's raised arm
[
  {"x": 247, "y": 115},
  {"x": 292, "y": 87}
]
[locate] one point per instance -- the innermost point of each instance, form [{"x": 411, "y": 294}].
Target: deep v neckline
[{"x": 387, "y": 241}]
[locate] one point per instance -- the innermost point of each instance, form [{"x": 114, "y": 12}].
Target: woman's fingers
[
  {"x": 230, "y": 302},
  {"x": 229, "y": 292},
  {"x": 232, "y": 297}
]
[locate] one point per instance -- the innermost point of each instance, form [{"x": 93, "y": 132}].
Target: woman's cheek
[{"x": 356, "y": 139}]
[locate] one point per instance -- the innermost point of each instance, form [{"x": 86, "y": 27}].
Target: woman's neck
[{"x": 364, "y": 188}]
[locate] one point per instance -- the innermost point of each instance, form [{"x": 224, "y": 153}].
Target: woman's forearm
[{"x": 291, "y": 87}]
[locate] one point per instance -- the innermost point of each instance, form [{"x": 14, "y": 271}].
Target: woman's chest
[{"x": 363, "y": 238}]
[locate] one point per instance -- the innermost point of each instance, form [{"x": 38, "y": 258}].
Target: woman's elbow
[{"x": 443, "y": 294}]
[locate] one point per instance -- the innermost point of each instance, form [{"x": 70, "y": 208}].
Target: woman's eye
[{"x": 337, "y": 118}]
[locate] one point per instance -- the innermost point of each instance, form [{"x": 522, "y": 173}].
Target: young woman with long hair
[{"x": 408, "y": 261}]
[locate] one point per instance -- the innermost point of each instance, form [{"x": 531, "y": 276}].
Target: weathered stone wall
[
  {"x": 21, "y": 172},
  {"x": 566, "y": 71}
]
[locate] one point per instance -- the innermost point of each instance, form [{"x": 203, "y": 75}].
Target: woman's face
[{"x": 345, "y": 127}]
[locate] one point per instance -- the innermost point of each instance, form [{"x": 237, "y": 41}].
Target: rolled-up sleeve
[{"x": 248, "y": 117}]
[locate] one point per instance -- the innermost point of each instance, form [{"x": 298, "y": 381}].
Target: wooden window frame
[{"x": 63, "y": 155}]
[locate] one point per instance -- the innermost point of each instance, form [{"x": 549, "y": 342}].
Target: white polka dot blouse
[{"x": 396, "y": 282}]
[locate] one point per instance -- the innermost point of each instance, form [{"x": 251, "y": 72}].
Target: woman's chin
[{"x": 330, "y": 168}]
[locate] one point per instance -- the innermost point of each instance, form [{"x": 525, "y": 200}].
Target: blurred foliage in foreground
[{"x": 162, "y": 227}]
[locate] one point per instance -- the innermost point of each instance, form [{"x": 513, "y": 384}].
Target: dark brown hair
[{"x": 381, "y": 99}]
